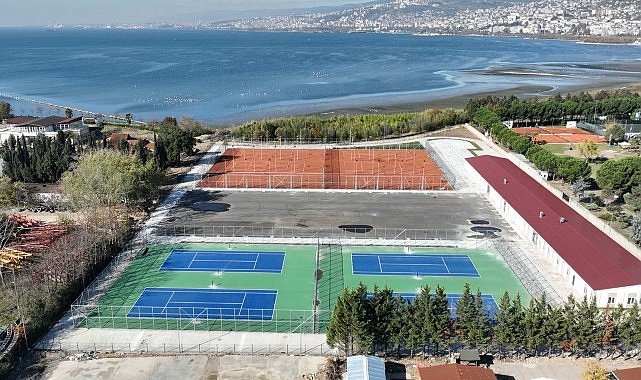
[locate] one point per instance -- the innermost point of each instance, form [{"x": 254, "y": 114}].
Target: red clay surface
[
  {"x": 559, "y": 135},
  {"x": 348, "y": 169}
]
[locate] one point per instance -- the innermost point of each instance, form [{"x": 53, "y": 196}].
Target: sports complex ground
[{"x": 247, "y": 261}]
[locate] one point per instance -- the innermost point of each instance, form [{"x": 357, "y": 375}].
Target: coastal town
[{"x": 547, "y": 17}]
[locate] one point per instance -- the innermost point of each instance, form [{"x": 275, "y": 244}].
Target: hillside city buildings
[{"x": 565, "y": 18}]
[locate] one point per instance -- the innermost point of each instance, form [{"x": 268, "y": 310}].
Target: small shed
[
  {"x": 365, "y": 368},
  {"x": 469, "y": 357}
]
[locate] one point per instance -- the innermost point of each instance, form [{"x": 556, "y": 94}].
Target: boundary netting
[
  {"x": 532, "y": 279},
  {"x": 393, "y": 236},
  {"x": 331, "y": 181}
]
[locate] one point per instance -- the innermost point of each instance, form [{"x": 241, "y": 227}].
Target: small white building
[
  {"x": 589, "y": 260},
  {"x": 29, "y": 126}
]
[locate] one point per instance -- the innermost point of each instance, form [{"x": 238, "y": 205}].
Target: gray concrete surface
[{"x": 449, "y": 211}]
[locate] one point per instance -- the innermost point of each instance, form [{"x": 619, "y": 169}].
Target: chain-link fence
[{"x": 344, "y": 234}]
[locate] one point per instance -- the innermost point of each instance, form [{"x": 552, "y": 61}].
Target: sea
[{"x": 224, "y": 77}]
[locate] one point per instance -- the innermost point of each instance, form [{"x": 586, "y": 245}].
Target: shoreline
[
  {"x": 626, "y": 75},
  {"x": 460, "y": 101}
]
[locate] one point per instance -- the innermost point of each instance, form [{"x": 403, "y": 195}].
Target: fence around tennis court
[
  {"x": 250, "y": 180},
  {"x": 346, "y": 234},
  {"x": 201, "y": 319}
]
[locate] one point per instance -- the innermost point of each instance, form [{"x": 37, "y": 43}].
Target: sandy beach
[{"x": 614, "y": 76}]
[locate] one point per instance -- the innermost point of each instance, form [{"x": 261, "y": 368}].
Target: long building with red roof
[{"x": 592, "y": 262}]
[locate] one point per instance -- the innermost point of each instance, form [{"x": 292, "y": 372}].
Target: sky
[{"x": 83, "y": 12}]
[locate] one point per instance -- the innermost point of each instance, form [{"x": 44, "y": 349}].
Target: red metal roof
[
  {"x": 593, "y": 255},
  {"x": 455, "y": 372},
  {"x": 628, "y": 374}
]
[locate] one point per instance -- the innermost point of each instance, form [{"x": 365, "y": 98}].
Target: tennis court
[
  {"x": 452, "y": 299},
  {"x": 413, "y": 265},
  {"x": 251, "y": 287},
  {"x": 232, "y": 304},
  {"x": 186, "y": 260}
]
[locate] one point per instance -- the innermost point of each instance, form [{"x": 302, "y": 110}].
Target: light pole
[{"x": 300, "y": 341}]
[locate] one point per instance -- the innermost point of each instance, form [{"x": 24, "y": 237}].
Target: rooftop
[{"x": 599, "y": 260}]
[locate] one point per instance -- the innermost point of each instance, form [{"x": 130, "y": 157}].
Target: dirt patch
[{"x": 186, "y": 367}]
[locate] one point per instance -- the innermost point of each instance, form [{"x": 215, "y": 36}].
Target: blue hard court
[
  {"x": 413, "y": 265},
  {"x": 186, "y": 260},
  {"x": 233, "y": 304}
]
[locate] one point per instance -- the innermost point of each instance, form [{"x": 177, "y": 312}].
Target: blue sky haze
[{"x": 82, "y": 12}]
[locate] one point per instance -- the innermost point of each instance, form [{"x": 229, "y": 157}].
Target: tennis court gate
[{"x": 328, "y": 284}]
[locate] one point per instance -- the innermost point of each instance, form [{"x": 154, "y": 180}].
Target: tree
[
  {"x": 439, "y": 327},
  {"x": 68, "y": 113},
  {"x": 635, "y": 234},
  {"x": 485, "y": 118},
  {"x": 383, "y": 305},
  {"x": 587, "y": 328},
  {"x": 481, "y": 333},
  {"x": 617, "y": 177},
  {"x": 128, "y": 118},
  {"x": 579, "y": 186},
  {"x": 594, "y": 372},
  {"x": 465, "y": 316},
  {"x": 348, "y": 330},
  {"x": 614, "y": 133},
  {"x": 176, "y": 141},
  {"x": 633, "y": 198},
  {"x": 107, "y": 178},
  {"x": 10, "y": 192},
  {"x": 5, "y": 111},
  {"x": 588, "y": 149},
  {"x": 419, "y": 310},
  {"x": 533, "y": 322},
  {"x": 571, "y": 169}
]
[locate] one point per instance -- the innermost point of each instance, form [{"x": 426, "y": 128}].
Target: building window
[
  {"x": 535, "y": 237},
  {"x": 504, "y": 206},
  {"x": 573, "y": 278},
  {"x": 612, "y": 298},
  {"x": 632, "y": 298},
  {"x": 488, "y": 189}
]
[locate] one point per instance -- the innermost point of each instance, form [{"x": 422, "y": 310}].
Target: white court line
[
  {"x": 192, "y": 260},
  {"x": 448, "y": 269},
  {"x": 166, "y": 303}
]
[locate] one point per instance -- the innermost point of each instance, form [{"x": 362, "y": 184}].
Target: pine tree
[
  {"x": 465, "y": 316},
  {"x": 440, "y": 326},
  {"x": 383, "y": 305},
  {"x": 400, "y": 320},
  {"x": 570, "y": 324},
  {"x": 535, "y": 316},
  {"x": 588, "y": 336},
  {"x": 502, "y": 329},
  {"x": 516, "y": 319},
  {"x": 553, "y": 329},
  {"x": 419, "y": 312},
  {"x": 481, "y": 333},
  {"x": 348, "y": 330}
]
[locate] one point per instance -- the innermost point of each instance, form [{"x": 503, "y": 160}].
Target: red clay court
[
  {"x": 346, "y": 169},
  {"x": 559, "y": 135}
]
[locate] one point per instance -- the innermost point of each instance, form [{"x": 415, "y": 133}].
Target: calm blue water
[{"x": 227, "y": 77}]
